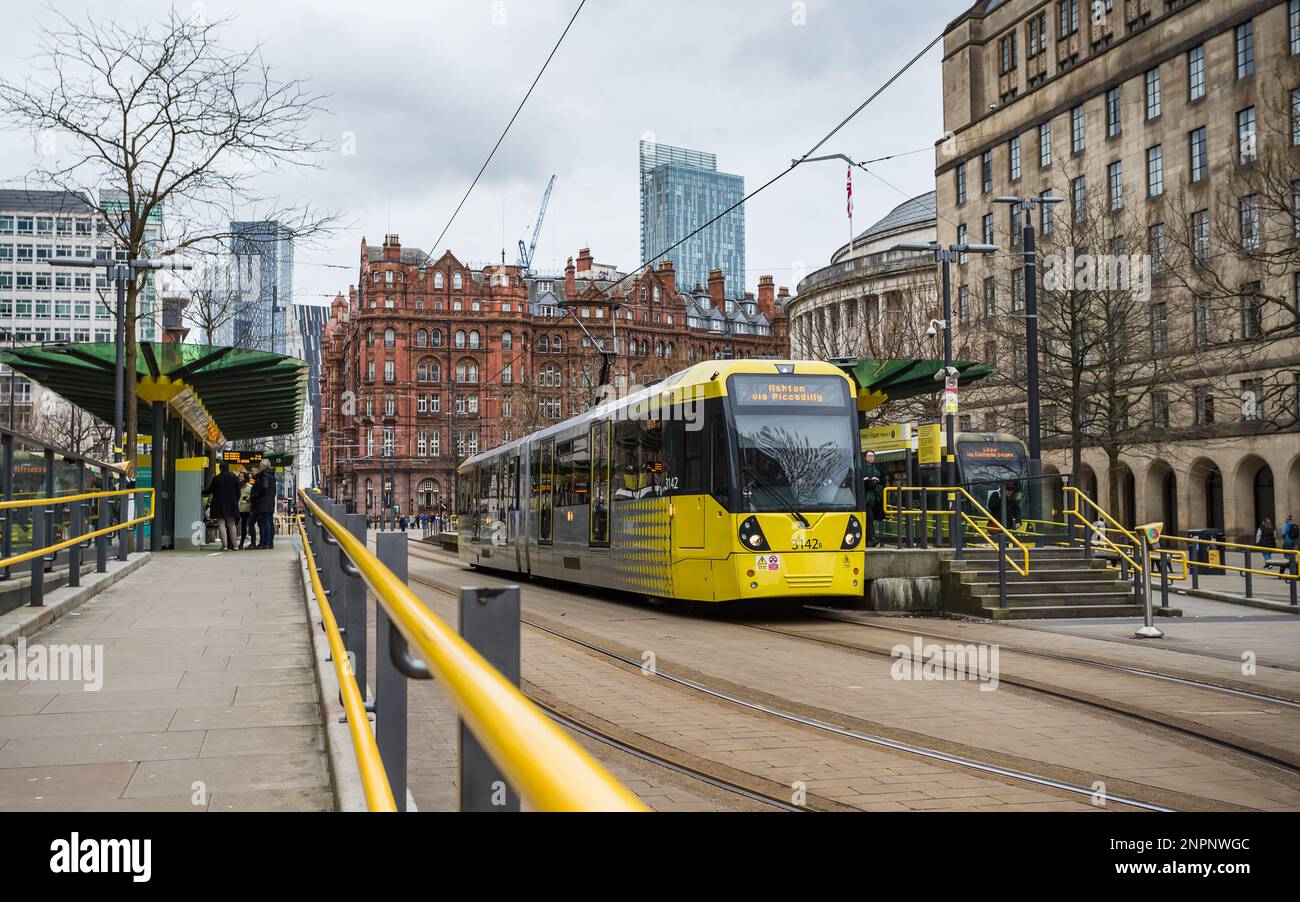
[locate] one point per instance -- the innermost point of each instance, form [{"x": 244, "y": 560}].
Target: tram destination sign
[{"x": 762, "y": 391}]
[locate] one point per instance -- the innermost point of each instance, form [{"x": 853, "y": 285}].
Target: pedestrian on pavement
[
  {"x": 872, "y": 487},
  {"x": 247, "y": 527},
  {"x": 223, "y": 505},
  {"x": 1290, "y": 534},
  {"x": 263, "y": 499},
  {"x": 1266, "y": 537}
]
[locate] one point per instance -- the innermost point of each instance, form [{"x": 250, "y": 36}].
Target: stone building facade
[
  {"x": 1180, "y": 119},
  {"x": 429, "y": 360}
]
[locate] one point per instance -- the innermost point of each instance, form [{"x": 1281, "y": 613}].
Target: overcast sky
[{"x": 426, "y": 87}]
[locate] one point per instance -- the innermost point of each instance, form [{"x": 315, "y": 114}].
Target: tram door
[
  {"x": 598, "y": 529},
  {"x": 689, "y": 519},
  {"x": 545, "y": 483}
]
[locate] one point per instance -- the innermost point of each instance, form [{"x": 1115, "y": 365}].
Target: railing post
[
  {"x": 354, "y": 602},
  {"x": 101, "y": 542},
  {"x": 958, "y": 526},
  {"x": 1295, "y": 574},
  {"x": 390, "y": 685},
  {"x": 331, "y": 575},
  {"x": 8, "y": 518},
  {"x": 122, "y": 533},
  {"x": 1164, "y": 580},
  {"x": 1002, "y": 569},
  {"x": 77, "y": 527},
  {"x": 489, "y": 621},
  {"x": 1195, "y": 565},
  {"x": 925, "y": 519},
  {"x": 1250, "y": 581},
  {"x": 36, "y": 594}
]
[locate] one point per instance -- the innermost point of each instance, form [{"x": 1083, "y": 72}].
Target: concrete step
[
  {"x": 1097, "y": 574},
  {"x": 1062, "y": 612},
  {"x": 1034, "y": 587},
  {"x": 1070, "y": 599}
]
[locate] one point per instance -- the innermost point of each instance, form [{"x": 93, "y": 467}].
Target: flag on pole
[{"x": 849, "y": 188}]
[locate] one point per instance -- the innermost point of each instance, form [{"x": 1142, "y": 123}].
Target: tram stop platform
[{"x": 196, "y": 693}]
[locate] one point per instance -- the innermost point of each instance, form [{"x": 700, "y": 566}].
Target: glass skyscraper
[
  {"x": 261, "y": 262},
  {"x": 680, "y": 191}
]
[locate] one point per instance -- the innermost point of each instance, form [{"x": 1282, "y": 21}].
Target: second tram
[{"x": 727, "y": 481}]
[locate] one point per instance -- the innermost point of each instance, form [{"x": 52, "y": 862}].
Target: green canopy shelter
[
  {"x": 197, "y": 397},
  {"x": 879, "y": 381}
]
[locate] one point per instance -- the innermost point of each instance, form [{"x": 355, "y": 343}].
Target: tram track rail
[{"x": 1005, "y": 773}]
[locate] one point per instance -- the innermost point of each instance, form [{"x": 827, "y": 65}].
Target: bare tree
[
  {"x": 68, "y": 427},
  {"x": 216, "y": 305},
  {"x": 162, "y": 118}
]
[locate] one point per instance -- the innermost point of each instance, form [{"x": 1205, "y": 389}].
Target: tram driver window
[{"x": 626, "y": 459}]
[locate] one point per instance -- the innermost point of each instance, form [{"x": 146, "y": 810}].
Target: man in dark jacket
[
  {"x": 223, "y": 505},
  {"x": 873, "y": 485},
  {"x": 264, "y": 505}
]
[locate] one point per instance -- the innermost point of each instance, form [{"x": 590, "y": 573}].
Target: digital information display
[
  {"x": 241, "y": 457},
  {"x": 761, "y": 391},
  {"x": 998, "y": 453}
]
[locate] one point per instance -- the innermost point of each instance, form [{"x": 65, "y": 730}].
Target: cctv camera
[{"x": 930, "y": 332}]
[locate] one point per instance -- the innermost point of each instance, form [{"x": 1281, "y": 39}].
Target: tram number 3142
[{"x": 799, "y": 544}]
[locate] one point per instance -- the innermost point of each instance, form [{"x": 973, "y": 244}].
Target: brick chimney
[
  {"x": 584, "y": 260},
  {"x": 392, "y": 249},
  {"x": 668, "y": 276},
  {"x": 766, "y": 292},
  {"x": 570, "y": 285},
  {"x": 783, "y": 296},
  {"x": 717, "y": 289}
]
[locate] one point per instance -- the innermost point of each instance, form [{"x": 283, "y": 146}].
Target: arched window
[
  {"x": 467, "y": 371},
  {"x": 390, "y": 338},
  {"x": 659, "y": 349},
  {"x": 473, "y": 338},
  {"x": 421, "y": 339},
  {"x": 670, "y": 350},
  {"x": 437, "y": 280},
  {"x": 645, "y": 351},
  {"x": 437, "y": 338},
  {"x": 428, "y": 493},
  {"x": 423, "y": 370},
  {"x": 370, "y": 338},
  {"x": 457, "y": 282},
  {"x": 370, "y": 494},
  {"x": 544, "y": 345},
  {"x": 460, "y": 339},
  {"x": 507, "y": 340},
  {"x": 390, "y": 405},
  {"x": 475, "y": 306},
  {"x": 555, "y": 345}
]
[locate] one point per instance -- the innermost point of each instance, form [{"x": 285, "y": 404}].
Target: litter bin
[{"x": 1213, "y": 554}]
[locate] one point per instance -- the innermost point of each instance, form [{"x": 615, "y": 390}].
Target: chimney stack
[
  {"x": 766, "y": 290},
  {"x": 668, "y": 276},
  {"x": 570, "y": 285},
  {"x": 584, "y": 260},
  {"x": 717, "y": 289},
  {"x": 392, "y": 249}
]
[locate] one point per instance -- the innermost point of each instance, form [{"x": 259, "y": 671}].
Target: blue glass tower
[{"x": 680, "y": 191}]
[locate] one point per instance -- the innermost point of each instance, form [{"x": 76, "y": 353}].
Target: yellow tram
[{"x": 727, "y": 481}]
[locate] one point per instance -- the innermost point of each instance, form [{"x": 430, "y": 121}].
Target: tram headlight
[
  {"x": 751, "y": 535},
  {"x": 852, "y": 535}
]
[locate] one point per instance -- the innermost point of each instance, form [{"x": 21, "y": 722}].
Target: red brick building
[{"x": 428, "y": 361}]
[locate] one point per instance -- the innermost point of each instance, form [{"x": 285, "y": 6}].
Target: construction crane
[{"x": 526, "y": 253}]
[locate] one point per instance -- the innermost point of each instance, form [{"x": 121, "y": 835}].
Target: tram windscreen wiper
[{"x": 776, "y": 494}]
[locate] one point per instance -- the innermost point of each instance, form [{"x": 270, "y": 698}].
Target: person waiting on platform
[
  {"x": 873, "y": 487},
  {"x": 1266, "y": 537},
  {"x": 263, "y": 504},
  {"x": 223, "y": 492},
  {"x": 247, "y": 526}
]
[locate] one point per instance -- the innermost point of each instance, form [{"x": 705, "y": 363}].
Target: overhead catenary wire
[{"x": 504, "y": 132}]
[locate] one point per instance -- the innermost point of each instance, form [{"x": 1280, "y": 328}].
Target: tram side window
[
  {"x": 652, "y": 458},
  {"x": 572, "y": 464},
  {"x": 563, "y": 473},
  {"x": 719, "y": 457},
  {"x": 600, "y": 483},
  {"x": 547, "y": 494},
  {"x": 692, "y": 470},
  {"x": 627, "y": 465},
  {"x": 468, "y": 491}
]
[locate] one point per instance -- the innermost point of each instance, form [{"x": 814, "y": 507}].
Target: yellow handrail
[
  {"x": 966, "y": 518},
  {"x": 374, "y": 779},
  {"x": 76, "y": 540},
  {"x": 544, "y": 765},
  {"x": 1237, "y": 546}
]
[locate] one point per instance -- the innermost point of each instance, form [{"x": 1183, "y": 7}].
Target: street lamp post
[{"x": 1028, "y": 205}]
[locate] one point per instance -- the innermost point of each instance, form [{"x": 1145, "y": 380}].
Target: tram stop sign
[{"x": 1152, "y": 531}]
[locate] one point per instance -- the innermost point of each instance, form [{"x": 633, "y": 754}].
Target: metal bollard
[
  {"x": 122, "y": 533},
  {"x": 1195, "y": 566},
  {"x": 925, "y": 519},
  {"x": 36, "y": 597},
  {"x": 489, "y": 621},
  {"x": 1002, "y": 569},
  {"x": 1295, "y": 577},
  {"x": 74, "y": 551},
  {"x": 1164, "y": 580},
  {"x": 353, "y": 596},
  {"x": 1250, "y": 582},
  {"x": 101, "y": 542}
]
